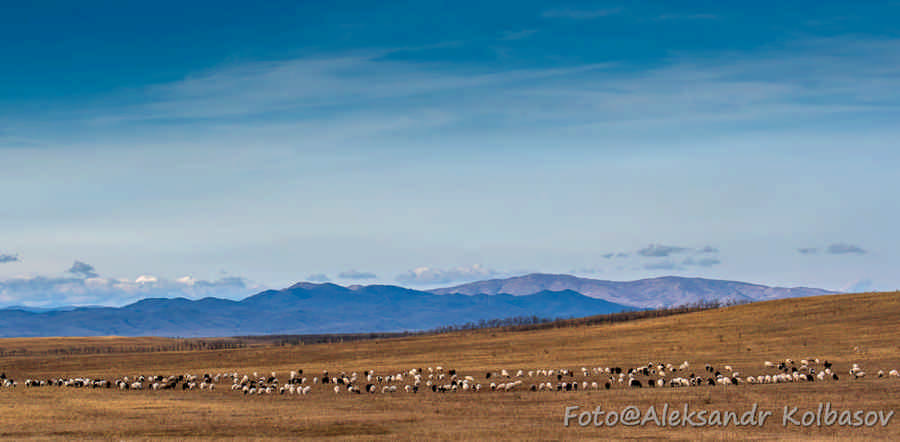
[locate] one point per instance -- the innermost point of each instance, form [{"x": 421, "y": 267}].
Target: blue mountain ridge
[{"x": 300, "y": 309}]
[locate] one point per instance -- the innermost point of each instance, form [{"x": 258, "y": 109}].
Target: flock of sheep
[{"x": 437, "y": 379}]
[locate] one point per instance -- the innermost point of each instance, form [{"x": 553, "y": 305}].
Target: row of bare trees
[{"x": 538, "y": 323}]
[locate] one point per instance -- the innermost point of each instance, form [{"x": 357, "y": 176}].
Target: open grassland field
[{"x": 861, "y": 329}]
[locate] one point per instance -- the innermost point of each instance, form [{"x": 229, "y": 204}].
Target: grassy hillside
[{"x": 845, "y": 329}]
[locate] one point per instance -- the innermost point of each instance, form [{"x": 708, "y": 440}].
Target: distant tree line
[
  {"x": 289, "y": 340},
  {"x": 536, "y": 323},
  {"x": 177, "y": 344}
]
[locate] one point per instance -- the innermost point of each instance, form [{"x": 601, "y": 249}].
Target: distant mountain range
[
  {"x": 308, "y": 308},
  {"x": 650, "y": 293},
  {"x": 301, "y": 309}
]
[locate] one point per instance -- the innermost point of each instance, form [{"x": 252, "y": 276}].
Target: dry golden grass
[{"x": 860, "y": 328}]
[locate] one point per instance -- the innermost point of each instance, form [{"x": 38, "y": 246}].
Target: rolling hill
[{"x": 649, "y": 293}]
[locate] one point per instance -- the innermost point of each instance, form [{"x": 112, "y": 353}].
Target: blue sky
[{"x": 220, "y": 148}]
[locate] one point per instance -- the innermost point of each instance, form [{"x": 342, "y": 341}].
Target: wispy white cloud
[
  {"x": 835, "y": 249},
  {"x": 89, "y": 288},
  {"x": 844, "y": 249},
  {"x": 318, "y": 277},
  {"x": 659, "y": 250},
  {"x": 429, "y": 275},
  {"x": 82, "y": 269},
  {"x": 326, "y": 84},
  {"x": 362, "y": 96}
]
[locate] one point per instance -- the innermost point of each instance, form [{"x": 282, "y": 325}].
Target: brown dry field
[{"x": 860, "y": 328}]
